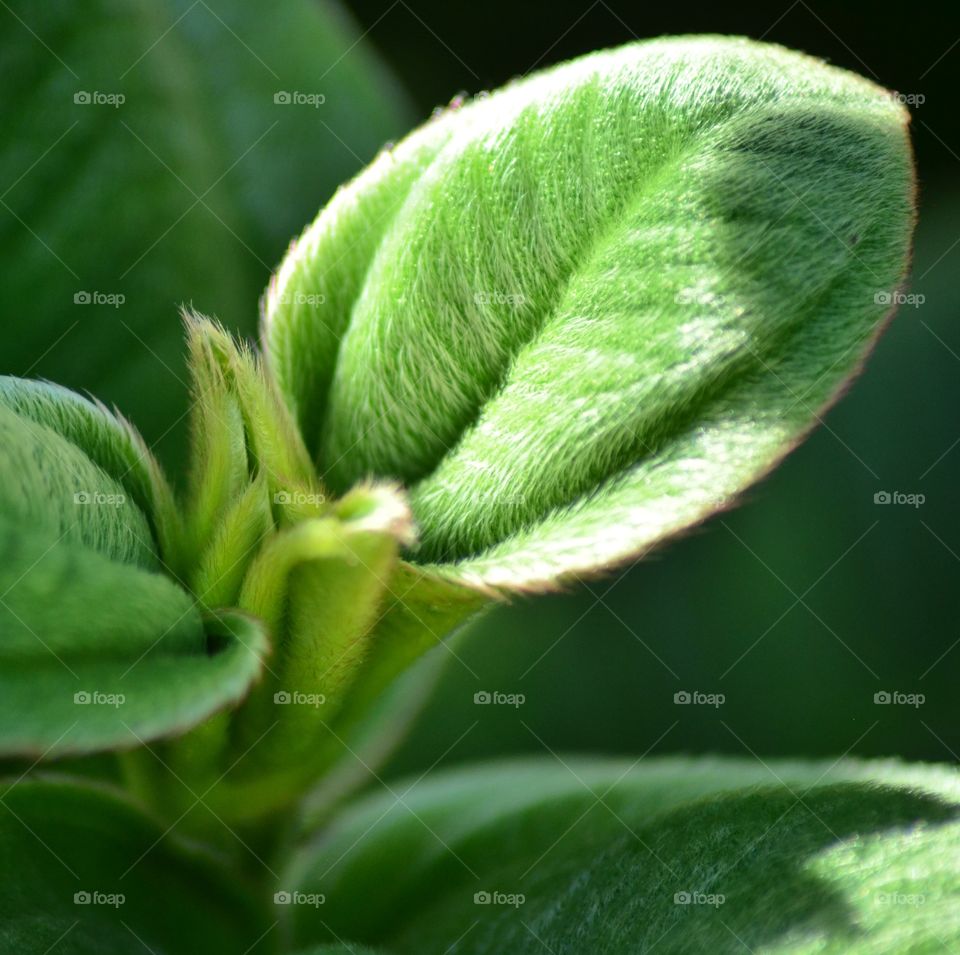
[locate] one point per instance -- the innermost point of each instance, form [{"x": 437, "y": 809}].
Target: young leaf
[
  {"x": 86, "y": 872},
  {"x": 581, "y": 314},
  {"x": 108, "y": 440},
  {"x": 98, "y": 654},
  {"x": 50, "y": 485},
  {"x": 99, "y": 649},
  {"x": 678, "y": 855},
  {"x": 319, "y": 587}
]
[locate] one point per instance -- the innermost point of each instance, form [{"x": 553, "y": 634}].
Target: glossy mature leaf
[
  {"x": 60, "y": 838},
  {"x": 187, "y": 191},
  {"x": 580, "y": 314},
  {"x": 848, "y": 857}
]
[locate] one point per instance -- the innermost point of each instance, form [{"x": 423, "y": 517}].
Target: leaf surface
[
  {"x": 618, "y": 856},
  {"x": 85, "y": 872},
  {"x": 583, "y": 313}
]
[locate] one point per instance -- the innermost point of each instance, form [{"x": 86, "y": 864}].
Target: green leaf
[
  {"x": 99, "y": 649},
  {"x": 616, "y": 856},
  {"x": 51, "y": 486},
  {"x": 583, "y": 313},
  {"x": 99, "y": 455},
  {"x": 186, "y": 191},
  {"x": 318, "y": 587},
  {"x": 85, "y": 872},
  {"x": 99, "y": 655}
]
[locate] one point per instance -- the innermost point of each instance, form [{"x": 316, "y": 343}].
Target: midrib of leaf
[
  {"x": 493, "y": 384},
  {"x": 491, "y": 567},
  {"x": 597, "y": 478}
]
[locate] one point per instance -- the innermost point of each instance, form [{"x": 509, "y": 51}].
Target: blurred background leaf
[{"x": 236, "y": 124}]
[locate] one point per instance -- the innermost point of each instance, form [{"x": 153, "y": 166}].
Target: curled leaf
[
  {"x": 579, "y": 315},
  {"x": 99, "y": 648}
]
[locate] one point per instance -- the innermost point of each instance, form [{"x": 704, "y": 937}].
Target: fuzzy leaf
[
  {"x": 578, "y": 315},
  {"x": 99, "y": 649},
  {"x": 99, "y": 655},
  {"x": 85, "y": 873},
  {"x": 120, "y": 465},
  {"x": 616, "y": 856},
  {"x": 318, "y": 587}
]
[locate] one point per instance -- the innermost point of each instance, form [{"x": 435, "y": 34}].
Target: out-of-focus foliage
[{"x": 159, "y": 153}]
